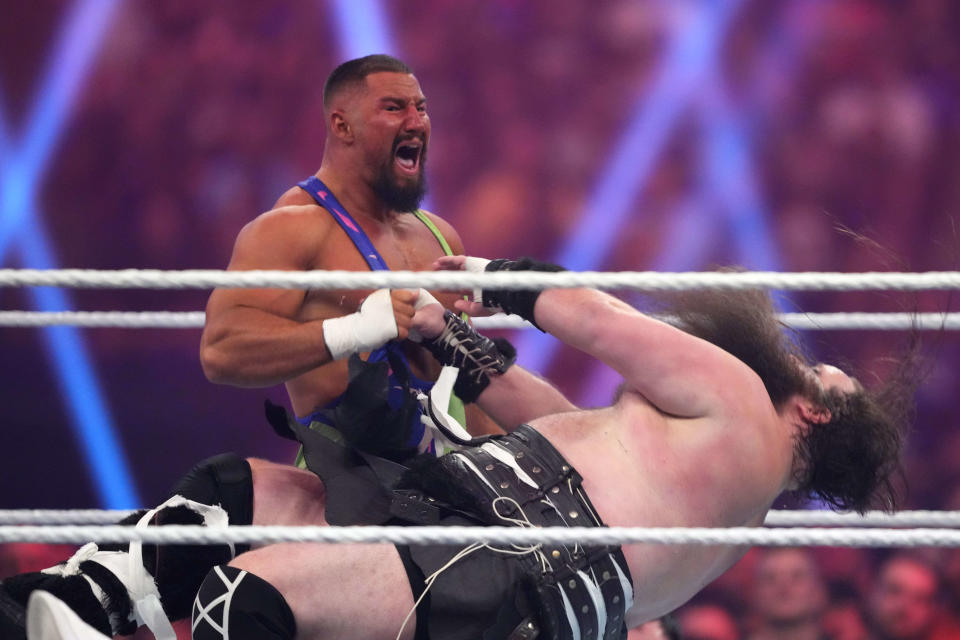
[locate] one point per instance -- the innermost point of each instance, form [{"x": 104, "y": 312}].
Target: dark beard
[
  {"x": 849, "y": 462},
  {"x": 744, "y": 324},
  {"x": 406, "y": 198}
]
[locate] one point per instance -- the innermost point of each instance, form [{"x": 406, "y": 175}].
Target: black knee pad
[
  {"x": 225, "y": 480},
  {"x": 255, "y": 609},
  {"x": 178, "y": 570}
]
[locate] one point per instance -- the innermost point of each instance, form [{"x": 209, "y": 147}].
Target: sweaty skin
[
  {"x": 262, "y": 337},
  {"x": 693, "y": 440}
]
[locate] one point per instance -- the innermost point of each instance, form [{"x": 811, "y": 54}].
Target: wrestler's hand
[
  {"x": 474, "y": 305},
  {"x": 405, "y": 303},
  {"x": 520, "y": 302},
  {"x": 384, "y": 315},
  {"x": 428, "y": 320}
]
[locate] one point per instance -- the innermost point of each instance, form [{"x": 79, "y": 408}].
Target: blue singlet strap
[{"x": 328, "y": 201}]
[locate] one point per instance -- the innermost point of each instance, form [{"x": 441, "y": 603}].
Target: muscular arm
[
  {"x": 253, "y": 337},
  {"x": 481, "y": 420},
  {"x": 519, "y": 396},
  {"x": 510, "y": 399},
  {"x": 679, "y": 374}
]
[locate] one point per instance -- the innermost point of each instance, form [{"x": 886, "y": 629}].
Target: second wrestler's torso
[
  {"x": 404, "y": 243},
  {"x": 642, "y": 468}
]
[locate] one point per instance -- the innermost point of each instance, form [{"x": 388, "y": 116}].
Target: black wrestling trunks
[{"x": 509, "y": 592}]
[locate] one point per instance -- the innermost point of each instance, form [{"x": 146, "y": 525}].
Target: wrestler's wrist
[
  {"x": 370, "y": 327},
  {"x": 478, "y": 357},
  {"x": 520, "y": 302}
]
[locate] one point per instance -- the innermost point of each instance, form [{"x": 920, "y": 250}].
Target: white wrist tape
[
  {"x": 425, "y": 298},
  {"x": 476, "y": 265},
  {"x": 370, "y": 327}
]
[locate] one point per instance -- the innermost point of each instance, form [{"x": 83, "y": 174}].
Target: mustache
[{"x": 400, "y": 141}]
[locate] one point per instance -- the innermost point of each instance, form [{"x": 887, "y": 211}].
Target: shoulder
[
  {"x": 447, "y": 231},
  {"x": 290, "y": 219},
  {"x": 294, "y": 196},
  {"x": 284, "y": 237}
]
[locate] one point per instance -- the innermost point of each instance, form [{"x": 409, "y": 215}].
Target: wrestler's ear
[
  {"x": 813, "y": 413},
  {"x": 340, "y": 126}
]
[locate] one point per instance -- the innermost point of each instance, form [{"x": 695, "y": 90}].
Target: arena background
[{"x": 609, "y": 135}]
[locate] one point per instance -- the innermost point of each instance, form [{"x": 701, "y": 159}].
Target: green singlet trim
[
  {"x": 425, "y": 219},
  {"x": 456, "y": 409}
]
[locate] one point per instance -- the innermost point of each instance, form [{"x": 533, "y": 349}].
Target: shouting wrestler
[
  {"x": 716, "y": 417},
  {"x": 359, "y": 211}
]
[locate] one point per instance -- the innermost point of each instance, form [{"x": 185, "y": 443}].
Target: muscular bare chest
[{"x": 407, "y": 245}]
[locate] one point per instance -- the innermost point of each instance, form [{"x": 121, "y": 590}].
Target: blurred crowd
[
  {"x": 196, "y": 116},
  {"x": 830, "y": 594}
]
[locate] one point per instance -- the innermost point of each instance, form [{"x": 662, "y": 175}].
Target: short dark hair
[{"x": 355, "y": 71}]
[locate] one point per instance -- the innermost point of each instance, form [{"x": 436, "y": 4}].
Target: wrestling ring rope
[
  {"x": 783, "y": 528},
  {"x": 196, "y": 319},
  {"x": 775, "y": 518},
  {"x": 455, "y": 280},
  {"x": 428, "y": 535}
]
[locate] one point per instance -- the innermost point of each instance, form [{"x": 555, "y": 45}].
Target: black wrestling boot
[
  {"x": 74, "y": 590},
  {"x": 96, "y": 609},
  {"x": 13, "y": 625}
]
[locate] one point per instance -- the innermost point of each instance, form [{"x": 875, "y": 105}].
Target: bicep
[
  {"x": 274, "y": 241},
  {"x": 676, "y": 372}
]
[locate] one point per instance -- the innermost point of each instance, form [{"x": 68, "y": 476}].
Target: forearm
[
  {"x": 518, "y": 396},
  {"x": 678, "y": 373},
  {"x": 584, "y": 319},
  {"x": 249, "y": 347},
  {"x": 507, "y": 393},
  {"x": 479, "y": 423}
]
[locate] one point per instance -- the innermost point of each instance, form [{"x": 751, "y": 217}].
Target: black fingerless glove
[
  {"x": 521, "y": 301},
  {"x": 478, "y": 357}
]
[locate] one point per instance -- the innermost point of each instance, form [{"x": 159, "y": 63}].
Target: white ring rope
[
  {"x": 825, "y": 518},
  {"x": 115, "y": 319},
  {"x": 195, "y": 320},
  {"x": 457, "y": 280},
  {"x": 754, "y": 536},
  {"x": 775, "y": 518}
]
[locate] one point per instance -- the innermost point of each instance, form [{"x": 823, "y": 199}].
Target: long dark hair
[{"x": 850, "y": 462}]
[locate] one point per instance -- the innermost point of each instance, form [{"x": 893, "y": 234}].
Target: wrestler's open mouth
[{"x": 408, "y": 156}]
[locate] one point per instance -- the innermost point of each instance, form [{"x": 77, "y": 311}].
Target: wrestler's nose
[{"x": 416, "y": 120}]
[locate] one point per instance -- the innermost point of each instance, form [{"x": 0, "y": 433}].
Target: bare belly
[{"x": 636, "y": 473}]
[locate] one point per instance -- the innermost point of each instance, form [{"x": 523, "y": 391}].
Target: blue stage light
[
  {"x": 78, "y": 381},
  {"x": 23, "y": 166},
  {"x": 611, "y": 202},
  {"x": 362, "y": 25}
]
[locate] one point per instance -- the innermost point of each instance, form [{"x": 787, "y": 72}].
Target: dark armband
[
  {"x": 520, "y": 302},
  {"x": 477, "y": 357}
]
